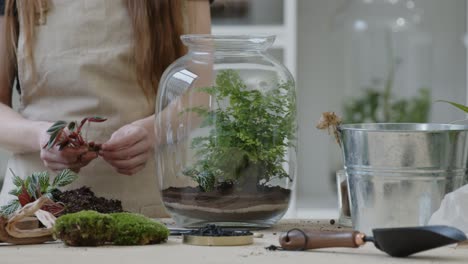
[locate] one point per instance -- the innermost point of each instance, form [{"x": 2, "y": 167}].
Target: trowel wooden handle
[{"x": 297, "y": 239}]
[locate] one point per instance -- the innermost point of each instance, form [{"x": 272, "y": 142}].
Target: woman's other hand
[
  {"x": 128, "y": 149},
  {"x": 67, "y": 158}
]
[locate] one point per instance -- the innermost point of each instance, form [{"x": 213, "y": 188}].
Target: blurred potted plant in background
[
  {"x": 382, "y": 106},
  {"x": 388, "y": 61}
]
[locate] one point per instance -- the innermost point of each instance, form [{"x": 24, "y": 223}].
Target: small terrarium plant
[
  {"x": 378, "y": 103},
  {"x": 64, "y": 134},
  {"x": 33, "y": 198},
  {"x": 35, "y": 186},
  {"x": 38, "y": 184},
  {"x": 41, "y": 199},
  {"x": 243, "y": 153}
]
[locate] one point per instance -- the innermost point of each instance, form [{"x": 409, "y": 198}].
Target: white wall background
[{"x": 321, "y": 82}]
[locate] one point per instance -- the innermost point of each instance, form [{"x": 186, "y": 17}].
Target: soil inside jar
[
  {"x": 222, "y": 206},
  {"x": 345, "y": 207}
]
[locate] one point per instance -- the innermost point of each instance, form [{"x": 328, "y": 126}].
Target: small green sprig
[{"x": 370, "y": 108}]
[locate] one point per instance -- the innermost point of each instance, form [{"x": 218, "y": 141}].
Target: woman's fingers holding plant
[
  {"x": 68, "y": 158},
  {"x": 138, "y": 148},
  {"x": 130, "y": 166},
  {"x": 128, "y": 149},
  {"x": 85, "y": 159}
]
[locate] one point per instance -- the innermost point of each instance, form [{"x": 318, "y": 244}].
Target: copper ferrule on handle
[
  {"x": 297, "y": 239},
  {"x": 359, "y": 239}
]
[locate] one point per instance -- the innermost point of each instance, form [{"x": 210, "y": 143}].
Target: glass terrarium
[{"x": 226, "y": 130}]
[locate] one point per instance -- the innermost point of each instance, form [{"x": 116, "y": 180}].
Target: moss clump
[
  {"x": 85, "y": 228},
  {"x": 134, "y": 229},
  {"x": 90, "y": 228}
]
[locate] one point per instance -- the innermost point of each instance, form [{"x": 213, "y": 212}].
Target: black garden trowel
[{"x": 397, "y": 242}]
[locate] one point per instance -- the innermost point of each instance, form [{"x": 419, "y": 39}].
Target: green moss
[
  {"x": 85, "y": 228},
  {"x": 134, "y": 229},
  {"x": 90, "y": 228}
]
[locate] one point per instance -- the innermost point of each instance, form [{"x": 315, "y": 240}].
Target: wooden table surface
[{"x": 175, "y": 252}]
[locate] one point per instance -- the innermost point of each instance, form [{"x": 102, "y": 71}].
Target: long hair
[{"x": 157, "y": 26}]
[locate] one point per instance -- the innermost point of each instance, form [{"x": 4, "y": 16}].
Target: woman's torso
[{"x": 84, "y": 66}]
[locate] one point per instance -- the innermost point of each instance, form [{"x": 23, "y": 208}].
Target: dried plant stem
[{"x": 330, "y": 121}]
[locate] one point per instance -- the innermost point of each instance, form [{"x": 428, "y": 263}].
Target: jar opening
[
  {"x": 228, "y": 42},
  {"x": 404, "y": 127}
]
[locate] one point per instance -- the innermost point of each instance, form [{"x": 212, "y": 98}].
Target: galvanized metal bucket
[{"x": 399, "y": 173}]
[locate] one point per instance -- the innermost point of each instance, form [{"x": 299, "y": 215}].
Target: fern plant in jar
[{"x": 226, "y": 132}]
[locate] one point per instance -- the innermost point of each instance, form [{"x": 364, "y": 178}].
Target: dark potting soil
[
  {"x": 84, "y": 199},
  {"x": 212, "y": 230},
  {"x": 264, "y": 203},
  {"x": 345, "y": 207}
]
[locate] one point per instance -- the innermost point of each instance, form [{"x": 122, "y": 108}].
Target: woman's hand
[
  {"x": 67, "y": 158},
  {"x": 128, "y": 149}
]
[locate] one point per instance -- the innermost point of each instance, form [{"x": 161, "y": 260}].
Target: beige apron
[{"x": 85, "y": 67}]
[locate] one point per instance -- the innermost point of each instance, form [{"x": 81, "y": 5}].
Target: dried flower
[{"x": 330, "y": 121}]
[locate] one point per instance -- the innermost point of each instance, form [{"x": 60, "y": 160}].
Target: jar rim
[
  {"x": 226, "y": 42},
  {"x": 404, "y": 127}
]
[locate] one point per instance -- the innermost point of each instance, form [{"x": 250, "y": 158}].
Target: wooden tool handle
[{"x": 297, "y": 239}]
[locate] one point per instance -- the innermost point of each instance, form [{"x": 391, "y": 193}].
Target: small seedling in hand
[{"x": 65, "y": 134}]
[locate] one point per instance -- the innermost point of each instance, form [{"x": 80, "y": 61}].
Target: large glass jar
[
  {"x": 388, "y": 61},
  {"x": 226, "y": 129}
]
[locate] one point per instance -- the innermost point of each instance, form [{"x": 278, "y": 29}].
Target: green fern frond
[{"x": 249, "y": 128}]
